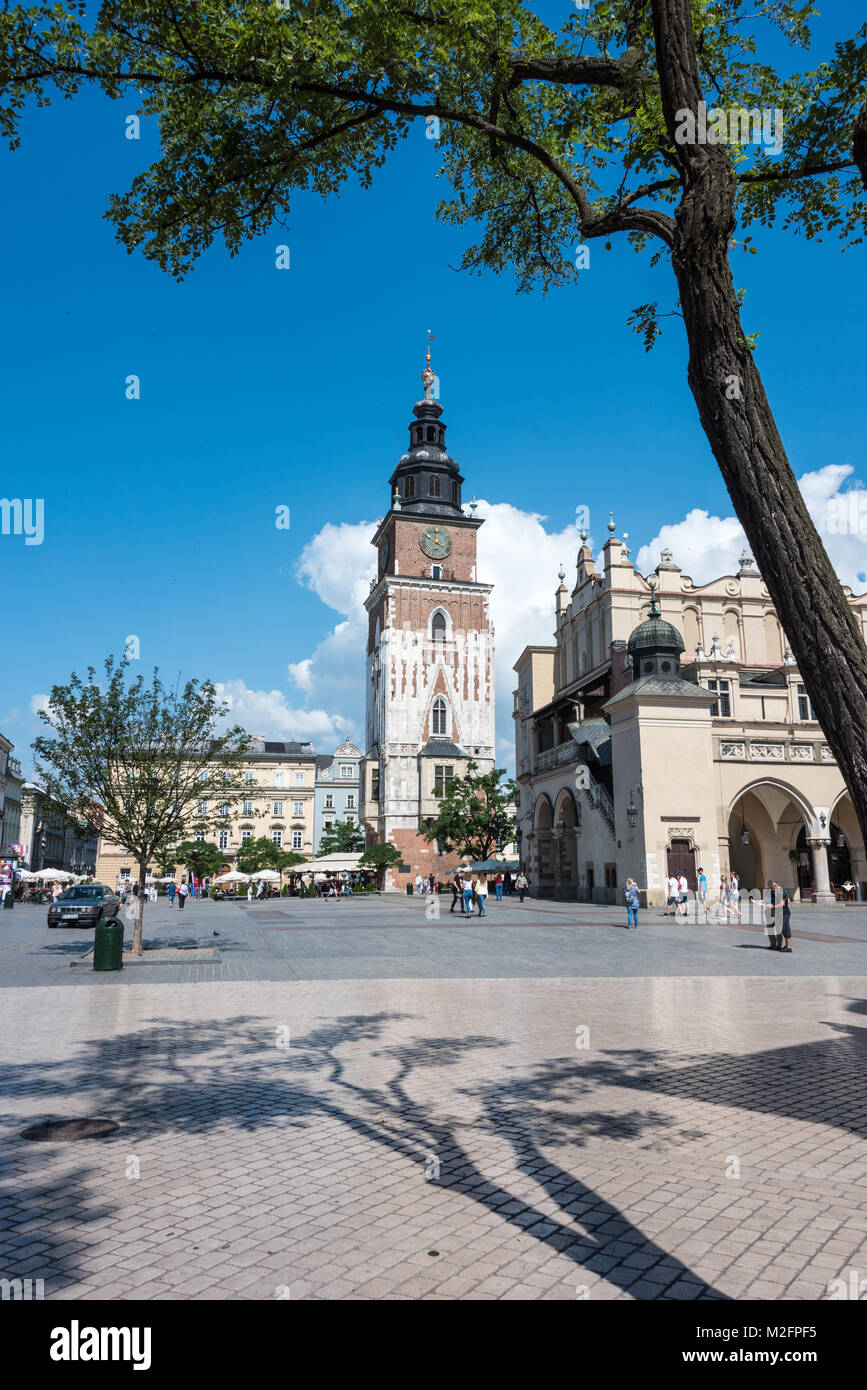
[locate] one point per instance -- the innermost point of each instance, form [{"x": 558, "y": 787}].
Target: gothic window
[
  {"x": 438, "y": 627},
  {"x": 439, "y": 715},
  {"x": 454, "y": 492},
  {"x": 433, "y": 485},
  {"x": 409, "y": 487}
]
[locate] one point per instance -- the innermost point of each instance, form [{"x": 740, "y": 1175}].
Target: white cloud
[
  {"x": 10, "y": 718},
  {"x": 268, "y": 712},
  {"x": 708, "y": 546},
  {"x": 38, "y": 702}
]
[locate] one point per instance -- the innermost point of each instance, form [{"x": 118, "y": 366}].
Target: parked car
[{"x": 82, "y": 905}]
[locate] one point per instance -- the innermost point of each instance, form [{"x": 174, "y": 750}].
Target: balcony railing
[{"x": 557, "y": 757}]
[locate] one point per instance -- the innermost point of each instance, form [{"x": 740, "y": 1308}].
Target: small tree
[
  {"x": 133, "y": 759},
  {"x": 200, "y": 857},
  {"x": 343, "y": 837},
  {"x": 262, "y": 853},
  {"x": 380, "y": 858},
  {"x": 474, "y": 816}
]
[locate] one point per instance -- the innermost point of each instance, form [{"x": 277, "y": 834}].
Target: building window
[
  {"x": 203, "y": 808},
  {"x": 433, "y": 485},
  {"x": 442, "y": 777},
  {"x": 299, "y": 779},
  {"x": 278, "y": 779},
  {"x": 329, "y": 822},
  {"x": 374, "y": 784},
  {"x": 248, "y": 779},
  {"x": 297, "y": 839},
  {"x": 436, "y": 572},
  {"x": 347, "y": 770},
  {"x": 438, "y": 627},
  {"x": 298, "y": 808},
  {"x": 246, "y": 835},
  {"x": 223, "y": 840},
  {"x": 277, "y": 838},
  {"x": 722, "y": 707},
  {"x": 431, "y": 434},
  {"x": 350, "y": 801},
  {"x": 200, "y": 834},
  {"x": 224, "y": 808},
  {"x": 227, "y": 777},
  {"x": 350, "y": 820},
  {"x": 439, "y": 715},
  {"x": 203, "y": 776},
  {"x": 329, "y": 801},
  {"x": 247, "y": 808},
  {"x": 454, "y": 492},
  {"x": 805, "y": 704},
  {"x": 278, "y": 808},
  {"x": 409, "y": 487}
]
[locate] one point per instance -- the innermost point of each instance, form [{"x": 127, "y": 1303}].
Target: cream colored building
[
  {"x": 647, "y": 742},
  {"x": 275, "y": 800}
]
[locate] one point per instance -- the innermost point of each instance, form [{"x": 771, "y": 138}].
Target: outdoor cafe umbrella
[
  {"x": 232, "y": 877},
  {"x": 266, "y": 876},
  {"x": 55, "y": 875}
]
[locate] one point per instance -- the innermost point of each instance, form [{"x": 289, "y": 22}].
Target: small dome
[{"x": 655, "y": 635}]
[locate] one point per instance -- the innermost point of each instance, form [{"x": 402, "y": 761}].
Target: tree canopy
[
  {"x": 262, "y": 853},
  {"x": 475, "y": 814},
  {"x": 343, "y": 837}
]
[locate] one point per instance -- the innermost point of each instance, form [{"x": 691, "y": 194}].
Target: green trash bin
[
  {"x": 108, "y": 944},
  {"x": 409, "y": 890}
]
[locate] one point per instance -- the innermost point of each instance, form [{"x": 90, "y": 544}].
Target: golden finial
[{"x": 427, "y": 376}]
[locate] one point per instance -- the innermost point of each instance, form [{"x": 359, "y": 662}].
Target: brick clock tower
[{"x": 430, "y": 651}]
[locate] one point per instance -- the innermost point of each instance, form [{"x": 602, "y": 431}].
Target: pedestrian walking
[
  {"x": 498, "y": 887},
  {"x": 249, "y": 892},
  {"x": 431, "y": 883},
  {"x": 633, "y": 903},
  {"x": 457, "y": 893},
  {"x": 183, "y": 894},
  {"x": 508, "y": 883},
  {"x": 670, "y": 896},
  {"x": 787, "y": 923},
  {"x": 702, "y": 892},
  {"x": 482, "y": 894},
  {"x": 468, "y": 895},
  {"x": 170, "y": 893},
  {"x": 522, "y": 884},
  {"x": 419, "y": 884},
  {"x": 735, "y": 897}
]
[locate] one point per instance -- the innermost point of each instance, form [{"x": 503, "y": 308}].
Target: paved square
[{"x": 650, "y": 1135}]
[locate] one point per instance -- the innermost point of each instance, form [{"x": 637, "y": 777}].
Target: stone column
[{"x": 822, "y": 890}]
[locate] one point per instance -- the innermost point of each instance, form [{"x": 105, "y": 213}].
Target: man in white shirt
[
  {"x": 671, "y": 896},
  {"x": 682, "y": 896}
]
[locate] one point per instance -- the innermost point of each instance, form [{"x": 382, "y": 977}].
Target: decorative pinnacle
[
  {"x": 562, "y": 575},
  {"x": 611, "y": 526},
  {"x": 652, "y": 582},
  {"x": 583, "y": 535},
  {"x": 427, "y": 375},
  {"x": 396, "y": 500},
  {"x": 473, "y": 505}
]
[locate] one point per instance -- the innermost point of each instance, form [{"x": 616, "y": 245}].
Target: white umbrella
[
  {"x": 267, "y": 876},
  {"x": 232, "y": 877},
  {"x": 170, "y": 878},
  {"x": 55, "y": 875},
  {"x": 26, "y": 873}
]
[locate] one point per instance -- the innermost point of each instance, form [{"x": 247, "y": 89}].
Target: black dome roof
[{"x": 656, "y": 635}]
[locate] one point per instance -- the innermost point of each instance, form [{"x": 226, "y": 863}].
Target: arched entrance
[
  {"x": 765, "y": 822},
  {"x": 565, "y": 846},
  {"x": 839, "y": 861},
  {"x": 542, "y": 842}
]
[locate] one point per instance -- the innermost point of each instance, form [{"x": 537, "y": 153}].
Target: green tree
[
  {"x": 344, "y": 837},
  {"x": 380, "y": 858},
  {"x": 200, "y": 857},
  {"x": 129, "y": 757},
  {"x": 474, "y": 816},
  {"x": 548, "y": 138},
  {"x": 262, "y": 853}
]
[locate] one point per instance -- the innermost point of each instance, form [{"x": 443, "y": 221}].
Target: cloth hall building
[{"x": 668, "y": 728}]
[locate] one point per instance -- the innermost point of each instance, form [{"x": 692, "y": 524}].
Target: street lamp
[{"x": 632, "y": 814}]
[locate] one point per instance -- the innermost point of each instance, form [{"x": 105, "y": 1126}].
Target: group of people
[
  {"x": 470, "y": 889},
  {"x": 779, "y": 928}
]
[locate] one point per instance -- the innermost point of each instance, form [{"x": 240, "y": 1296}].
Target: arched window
[
  {"x": 439, "y": 715},
  {"x": 431, "y": 433},
  {"x": 409, "y": 488},
  {"x": 418, "y": 434},
  {"x": 438, "y": 627},
  {"x": 454, "y": 492},
  {"x": 433, "y": 485}
]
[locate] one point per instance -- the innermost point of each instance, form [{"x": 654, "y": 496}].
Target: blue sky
[{"x": 262, "y": 387}]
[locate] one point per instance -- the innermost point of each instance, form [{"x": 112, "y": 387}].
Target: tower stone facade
[{"x": 430, "y": 655}]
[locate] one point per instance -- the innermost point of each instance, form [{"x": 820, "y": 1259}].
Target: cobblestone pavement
[
  {"x": 392, "y": 937},
  {"x": 440, "y": 1138}
]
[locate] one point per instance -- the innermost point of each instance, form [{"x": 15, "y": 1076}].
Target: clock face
[{"x": 436, "y": 542}]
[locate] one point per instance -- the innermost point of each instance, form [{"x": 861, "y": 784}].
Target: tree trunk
[
  {"x": 137, "y": 947},
  {"x": 822, "y": 629}
]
